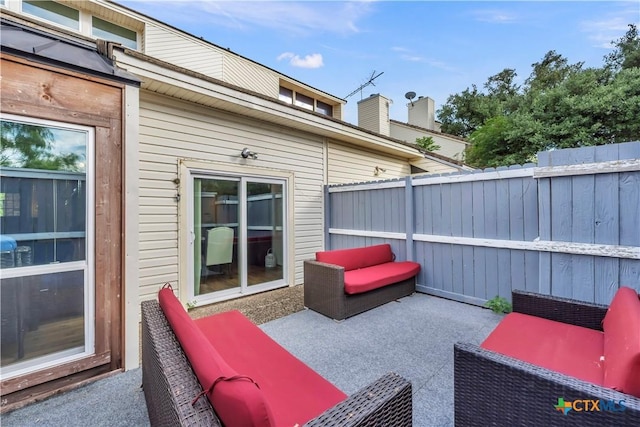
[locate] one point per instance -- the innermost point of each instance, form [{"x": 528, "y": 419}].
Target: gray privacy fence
[{"x": 569, "y": 226}]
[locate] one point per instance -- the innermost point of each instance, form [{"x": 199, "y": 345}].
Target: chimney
[
  {"x": 422, "y": 113},
  {"x": 373, "y": 114}
]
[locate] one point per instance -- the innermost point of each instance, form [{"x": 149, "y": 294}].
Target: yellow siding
[
  {"x": 249, "y": 75},
  {"x": 449, "y": 146},
  {"x": 171, "y": 130},
  {"x": 350, "y": 164},
  {"x": 373, "y": 114},
  {"x": 432, "y": 166},
  {"x": 179, "y": 49}
]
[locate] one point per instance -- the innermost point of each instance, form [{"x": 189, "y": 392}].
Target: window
[
  {"x": 304, "y": 101},
  {"x": 54, "y": 12},
  {"x": 323, "y": 108},
  {"x": 46, "y": 244},
  {"x": 112, "y": 32},
  {"x": 286, "y": 95}
]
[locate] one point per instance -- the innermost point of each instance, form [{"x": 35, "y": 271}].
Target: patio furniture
[
  {"x": 251, "y": 380},
  {"x": 345, "y": 282},
  {"x": 549, "y": 361},
  {"x": 219, "y": 248}
]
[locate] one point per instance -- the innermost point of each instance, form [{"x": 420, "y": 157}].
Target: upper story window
[
  {"x": 292, "y": 97},
  {"x": 54, "y": 12},
  {"x": 112, "y": 32},
  {"x": 80, "y": 20},
  {"x": 286, "y": 95},
  {"x": 304, "y": 101},
  {"x": 324, "y": 108}
]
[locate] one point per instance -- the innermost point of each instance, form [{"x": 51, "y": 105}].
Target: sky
[{"x": 432, "y": 48}]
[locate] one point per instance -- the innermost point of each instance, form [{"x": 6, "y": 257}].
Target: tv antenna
[{"x": 369, "y": 82}]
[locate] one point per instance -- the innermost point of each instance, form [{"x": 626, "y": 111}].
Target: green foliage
[
  {"x": 499, "y": 305},
  {"x": 627, "y": 51},
  {"x": 27, "y": 146},
  {"x": 427, "y": 144},
  {"x": 560, "y": 105},
  {"x": 192, "y": 304}
]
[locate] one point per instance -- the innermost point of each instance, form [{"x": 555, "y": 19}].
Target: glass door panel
[
  {"x": 216, "y": 237},
  {"x": 264, "y": 232},
  {"x": 46, "y": 245}
]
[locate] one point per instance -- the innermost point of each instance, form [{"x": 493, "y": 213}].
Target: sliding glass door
[{"x": 237, "y": 235}]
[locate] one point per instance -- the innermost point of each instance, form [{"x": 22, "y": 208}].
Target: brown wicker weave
[
  {"x": 170, "y": 384},
  {"x": 324, "y": 292},
  {"x": 496, "y": 390}
]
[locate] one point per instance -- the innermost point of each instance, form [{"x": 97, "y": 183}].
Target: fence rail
[{"x": 569, "y": 226}]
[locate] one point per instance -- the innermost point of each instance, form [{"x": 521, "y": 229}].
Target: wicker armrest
[
  {"x": 385, "y": 402},
  {"x": 573, "y": 312},
  {"x": 492, "y": 389},
  {"x": 324, "y": 288}
]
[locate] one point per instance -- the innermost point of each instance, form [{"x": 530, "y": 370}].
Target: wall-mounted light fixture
[
  {"x": 246, "y": 154},
  {"x": 378, "y": 170}
]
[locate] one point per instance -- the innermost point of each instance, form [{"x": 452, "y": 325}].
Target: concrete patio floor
[{"x": 413, "y": 337}]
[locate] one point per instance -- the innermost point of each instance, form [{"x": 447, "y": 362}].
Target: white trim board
[
  {"x": 614, "y": 166},
  {"x": 365, "y": 233},
  {"x": 612, "y": 251}
]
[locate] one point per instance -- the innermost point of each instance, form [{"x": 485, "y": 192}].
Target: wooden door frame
[{"x": 42, "y": 91}]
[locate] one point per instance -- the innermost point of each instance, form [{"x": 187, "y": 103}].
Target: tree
[
  {"x": 560, "y": 105},
  {"x": 550, "y": 72},
  {"x": 32, "y": 147},
  {"x": 627, "y": 51},
  {"x": 427, "y": 144}
]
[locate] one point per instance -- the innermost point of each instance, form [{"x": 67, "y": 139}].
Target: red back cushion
[
  {"x": 352, "y": 259},
  {"x": 237, "y": 402},
  {"x": 622, "y": 342}
]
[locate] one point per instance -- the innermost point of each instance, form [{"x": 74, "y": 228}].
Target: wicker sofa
[
  {"x": 492, "y": 388},
  {"x": 345, "y": 282},
  {"x": 175, "y": 396}
]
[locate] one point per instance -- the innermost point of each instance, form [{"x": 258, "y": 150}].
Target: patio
[{"x": 413, "y": 337}]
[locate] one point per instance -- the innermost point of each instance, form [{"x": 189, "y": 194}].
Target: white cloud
[
  {"x": 310, "y": 61},
  {"x": 494, "y": 16},
  {"x": 604, "y": 31},
  {"x": 292, "y": 17}
]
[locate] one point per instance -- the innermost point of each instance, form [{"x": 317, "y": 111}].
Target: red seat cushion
[
  {"x": 238, "y": 403},
  {"x": 621, "y": 327},
  {"x": 295, "y": 392},
  {"x": 352, "y": 259},
  {"x": 377, "y": 276},
  {"x": 571, "y": 350}
]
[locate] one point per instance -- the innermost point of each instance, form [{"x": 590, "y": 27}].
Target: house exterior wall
[
  {"x": 434, "y": 167},
  {"x": 422, "y": 112},
  {"x": 373, "y": 114},
  {"x": 182, "y": 50},
  {"x": 171, "y": 130},
  {"x": 449, "y": 146},
  {"x": 347, "y": 164},
  {"x": 250, "y": 75}
]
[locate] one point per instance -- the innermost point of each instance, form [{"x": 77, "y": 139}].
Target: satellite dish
[{"x": 410, "y": 96}]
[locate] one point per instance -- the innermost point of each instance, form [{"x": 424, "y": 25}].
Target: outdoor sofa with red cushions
[
  {"x": 554, "y": 361},
  {"x": 345, "y": 282},
  {"x": 222, "y": 370}
]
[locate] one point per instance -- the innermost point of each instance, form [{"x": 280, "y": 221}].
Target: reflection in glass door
[
  {"x": 216, "y": 235},
  {"x": 264, "y": 232},
  {"x": 238, "y": 235},
  {"x": 46, "y": 245}
]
